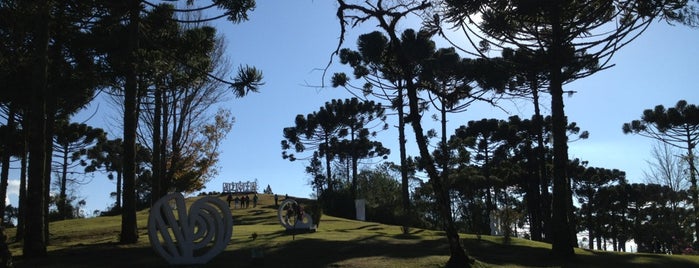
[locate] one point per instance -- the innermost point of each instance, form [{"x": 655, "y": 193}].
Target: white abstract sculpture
[
  {"x": 292, "y": 216},
  {"x": 184, "y": 237}
]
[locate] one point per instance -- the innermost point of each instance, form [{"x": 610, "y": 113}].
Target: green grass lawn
[{"x": 337, "y": 243}]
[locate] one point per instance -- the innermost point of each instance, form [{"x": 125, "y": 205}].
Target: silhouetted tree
[
  {"x": 676, "y": 126},
  {"x": 382, "y": 80},
  {"x": 315, "y": 170},
  {"x": 381, "y": 190},
  {"x": 341, "y": 128},
  {"x": 410, "y": 50},
  {"x": 356, "y": 130},
  {"x": 655, "y": 224},
  {"x": 577, "y": 39},
  {"x": 12, "y": 146},
  {"x": 128, "y": 70},
  {"x": 588, "y": 182},
  {"x": 70, "y": 139},
  {"x": 316, "y": 131},
  {"x": 106, "y": 156}
]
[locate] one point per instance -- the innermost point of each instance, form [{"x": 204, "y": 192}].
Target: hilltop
[{"x": 339, "y": 242}]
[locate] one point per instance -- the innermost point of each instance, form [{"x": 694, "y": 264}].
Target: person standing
[{"x": 254, "y": 201}]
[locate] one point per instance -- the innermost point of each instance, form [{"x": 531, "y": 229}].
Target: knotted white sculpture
[{"x": 193, "y": 237}]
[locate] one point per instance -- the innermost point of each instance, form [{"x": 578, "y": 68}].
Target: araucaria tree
[
  {"x": 381, "y": 79},
  {"x": 676, "y": 126},
  {"x": 46, "y": 41},
  {"x": 341, "y": 129},
  {"x": 575, "y": 39},
  {"x": 70, "y": 140},
  {"x": 128, "y": 20},
  {"x": 410, "y": 50},
  {"x": 105, "y": 156}
]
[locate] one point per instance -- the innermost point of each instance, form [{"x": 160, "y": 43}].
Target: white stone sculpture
[
  {"x": 184, "y": 237},
  {"x": 292, "y": 216}
]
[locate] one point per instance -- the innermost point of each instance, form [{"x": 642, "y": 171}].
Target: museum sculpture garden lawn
[{"x": 259, "y": 240}]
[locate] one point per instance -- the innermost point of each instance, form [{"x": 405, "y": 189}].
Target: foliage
[
  {"x": 381, "y": 190},
  {"x": 69, "y": 140},
  {"x": 575, "y": 39},
  {"x": 10, "y": 215},
  {"x": 199, "y": 166},
  {"x": 410, "y": 50},
  {"x": 268, "y": 190},
  {"x": 106, "y": 156},
  {"x": 592, "y": 187},
  {"x": 315, "y": 171},
  {"x": 338, "y": 203},
  {"x": 341, "y": 130},
  {"x": 676, "y": 126}
]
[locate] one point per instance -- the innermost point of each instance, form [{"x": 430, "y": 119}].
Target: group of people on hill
[{"x": 242, "y": 201}]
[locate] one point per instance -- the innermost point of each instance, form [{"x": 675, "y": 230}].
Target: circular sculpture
[
  {"x": 293, "y": 217},
  {"x": 184, "y": 237}
]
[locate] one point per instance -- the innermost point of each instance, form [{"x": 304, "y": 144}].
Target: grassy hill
[{"x": 337, "y": 243}]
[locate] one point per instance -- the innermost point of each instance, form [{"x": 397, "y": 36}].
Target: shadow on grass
[
  {"x": 499, "y": 254},
  {"x": 96, "y": 255},
  {"x": 620, "y": 260},
  {"x": 309, "y": 252},
  {"x": 301, "y": 252},
  {"x": 304, "y": 251},
  {"x": 366, "y": 227},
  {"x": 253, "y": 220}
]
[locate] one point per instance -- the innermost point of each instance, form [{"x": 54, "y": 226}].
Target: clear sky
[{"x": 292, "y": 41}]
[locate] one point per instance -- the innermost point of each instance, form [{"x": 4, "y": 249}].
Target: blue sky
[{"x": 292, "y": 41}]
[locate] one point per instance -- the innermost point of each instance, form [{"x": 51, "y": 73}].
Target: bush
[
  {"x": 316, "y": 211},
  {"x": 338, "y": 203}
]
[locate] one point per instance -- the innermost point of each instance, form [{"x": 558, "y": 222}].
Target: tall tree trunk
[
  {"x": 561, "y": 244},
  {"x": 489, "y": 204},
  {"x": 405, "y": 187},
  {"x": 545, "y": 224},
  {"x": 590, "y": 229},
  {"x": 157, "y": 187},
  {"x": 5, "y": 172},
  {"x": 354, "y": 177},
  {"x": 22, "y": 202},
  {"x": 129, "y": 231},
  {"x": 175, "y": 145},
  {"x": 328, "y": 172},
  {"x": 443, "y": 160},
  {"x": 62, "y": 203},
  {"x": 561, "y": 223},
  {"x": 458, "y": 257},
  {"x": 560, "y": 204},
  {"x": 533, "y": 197},
  {"x": 572, "y": 221},
  {"x": 355, "y": 159},
  {"x": 164, "y": 177},
  {"x": 119, "y": 192},
  {"x": 693, "y": 183},
  {"x": 35, "y": 242},
  {"x": 50, "y": 125}
]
